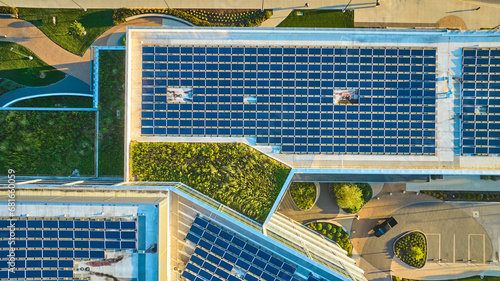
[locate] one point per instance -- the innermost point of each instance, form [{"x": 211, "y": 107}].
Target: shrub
[
  {"x": 412, "y": 249},
  {"x": 8, "y": 10},
  {"x": 485, "y": 177},
  {"x": 76, "y": 28},
  {"x": 33, "y": 73},
  {"x": 349, "y": 196},
  {"x": 341, "y": 237},
  {"x": 303, "y": 194}
]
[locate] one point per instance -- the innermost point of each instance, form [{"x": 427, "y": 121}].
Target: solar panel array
[
  {"x": 481, "y": 102},
  {"x": 221, "y": 255},
  {"x": 293, "y": 89},
  {"x": 46, "y": 248}
]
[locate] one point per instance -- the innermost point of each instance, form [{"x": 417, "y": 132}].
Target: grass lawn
[
  {"x": 111, "y": 100},
  {"x": 47, "y": 142},
  {"x": 56, "y": 101},
  {"x": 20, "y": 69},
  {"x": 234, "y": 174},
  {"x": 96, "y": 22},
  {"x": 319, "y": 18}
]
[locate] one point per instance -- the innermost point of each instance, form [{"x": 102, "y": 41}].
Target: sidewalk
[{"x": 456, "y": 183}]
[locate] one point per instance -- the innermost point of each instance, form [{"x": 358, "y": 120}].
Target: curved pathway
[
  {"x": 76, "y": 67},
  {"x": 325, "y": 208},
  {"x": 28, "y": 35},
  {"x": 459, "y": 245}
]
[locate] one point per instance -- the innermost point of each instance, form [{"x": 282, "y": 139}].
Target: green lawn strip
[
  {"x": 234, "y": 174},
  {"x": 95, "y": 22},
  {"x": 16, "y": 66},
  {"x": 56, "y": 101},
  {"x": 303, "y": 194},
  {"x": 47, "y": 142},
  {"x": 335, "y": 233},
  {"x": 319, "y": 18},
  {"x": 412, "y": 249},
  {"x": 111, "y": 99},
  {"x": 472, "y": 278}
]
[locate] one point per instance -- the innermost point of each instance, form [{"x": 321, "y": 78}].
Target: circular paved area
[{"x": 325, "y": 208}]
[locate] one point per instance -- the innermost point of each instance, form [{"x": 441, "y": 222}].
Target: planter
[{"x": 402, "y": 251}]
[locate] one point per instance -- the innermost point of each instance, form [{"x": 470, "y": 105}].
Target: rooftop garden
[
  {"x": 303, "y": 194},
  {"x": 351, "y": 197},
  {"x": 412, "y": 249},
  {"x": 234, "y": 174},
  {"x": 16, "y": 66},
  {"x": 319, "y": 18},
  {"x": 111, "y": 112},
  {"x": 333, "y": 232},
  {"x": 47, "y": 142}
]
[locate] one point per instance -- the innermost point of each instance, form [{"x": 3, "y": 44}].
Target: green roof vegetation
[
  {"x": 47, "y": 142},
  {"x": 319, "y": 18},
  {"x": 94, "y": 21},
  {"x": 15, "y": 65},
  {"x": 351, "y": 197},
  {"x": 234, "y": 174},
  {"x": 303, "y": 194},
  {"x": 111, "y": 112},
  {"x": 333, "y": 232},
  {"x": 412, "y": 249},
  {"x": 56, "y": 101}
]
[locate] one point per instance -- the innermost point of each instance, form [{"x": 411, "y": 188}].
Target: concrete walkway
[
  {"x": 28, "y": 35},
  {"x": 371, "y": 214},
  {"x": 456, "y": 183},
  {"x": 77, "y": 67},
  {"x": 325, "y": 208}
]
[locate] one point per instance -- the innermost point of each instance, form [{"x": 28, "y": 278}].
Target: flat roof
[{"x": 439, "y": 148}]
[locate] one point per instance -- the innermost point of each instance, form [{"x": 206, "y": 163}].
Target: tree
[
  {"x": 76, "y": 28},
  {"x": 349, "y": 196},
  {"x": 417, "y": 253}
]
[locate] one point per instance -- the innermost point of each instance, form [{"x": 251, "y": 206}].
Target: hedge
[
  {"x": 120, "y": 16},
  {"x": 8, "y": 10}
]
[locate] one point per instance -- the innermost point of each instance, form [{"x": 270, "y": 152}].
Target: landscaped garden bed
[
  {"x": 319, "y": 18},
  {"x": 464, "y": 195},
  {"x": 15, "y": 65},
  {"x": 111, "y": 112},
  {"x": 47, "y": 142},
  {"x": 472, "y": 278},
  {"x": 234, "y": 174},
  {"x": 202, "y": 17},
  {"x": 8, "y": 85},
  {"x": 303, "y": 194},
  {"x": 411, "y": 249},
  {"x": 333, "y": 232},
  {"x": 351, "y": 197}
]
